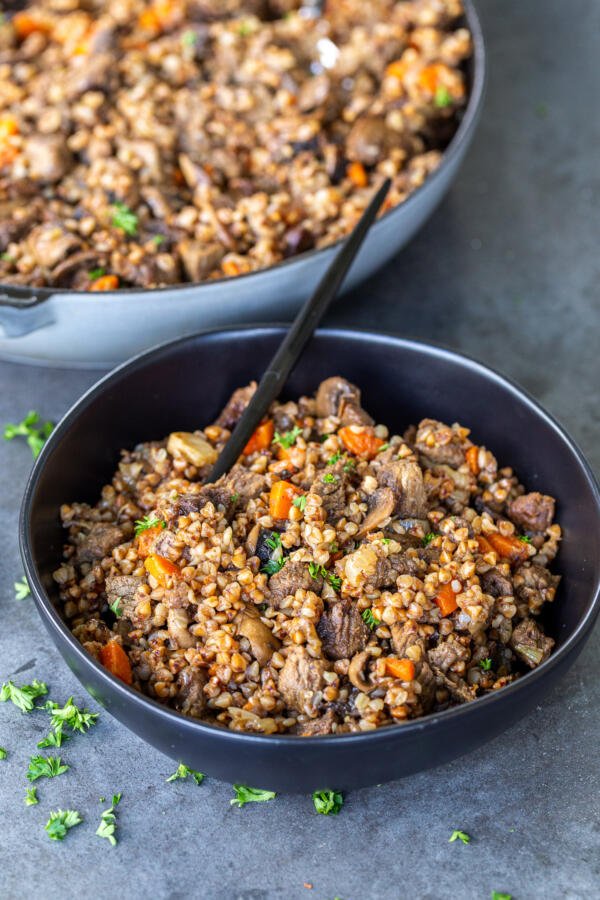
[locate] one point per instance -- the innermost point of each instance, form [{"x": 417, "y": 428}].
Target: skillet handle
[{"x": 23, "y": 311}]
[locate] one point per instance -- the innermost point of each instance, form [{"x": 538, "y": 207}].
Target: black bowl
[{"x": 183, "y": 385}]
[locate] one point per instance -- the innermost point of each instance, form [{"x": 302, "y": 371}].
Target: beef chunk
[
  {"x": 323, "y": 725},
  {"x": 199, "y": 259},
  {"x": 123, "y": 589},
  {"x": 458, "y": 687},
  {"x": 337, "y": 397},
  {"x": 440, "y": 443},
  {"x": 342, "y": 630},
  {"x": 405, "y": 479},
  {"x": 530, "y": 643},
  {"x": 191, "y": 699},
  {"x": 532, "y": 512},
  {"x": 496, "y": 584},
  {"x": 292, "y": 577},
  {"x": 534, "y": 586},
  {"x": 390, "y": 567},
  {"x": 368, "y": 140},
  {"x": 235, "y": 406},
  {"x": 48, "y": 157},
  {"x": 332, "y": 493},
  {"x": 301, "y": 681},
  {"x": 98, "y": 542},
  {"x": 248, "y": 485},
  {"x": 449, "y": 651}
]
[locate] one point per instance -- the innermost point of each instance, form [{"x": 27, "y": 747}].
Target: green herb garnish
[
  {"x": 333, "y": 547},
  {"x": 328, "y": 803},
  {"x": 116, "y": 607},
  {"x": 235, "y": 497},
  {"x": 45, "y": 767},
  {"x": 22, "y": 589},
  {"x": 485, "y": 664},
  {"x": 273, "y": 566},
  {"x": 182, "y": 772},
  {"x": 335, "y": 458},
  {"x": 428, "y": 538},
  {"x": 188, "y": 38},
  {"x": 23, "y": 696},
  {"x": 245, "y": 795},
  {"x": 316, "y": 570},
  {"x": 288, "y": 439},
  {"x": 158, "y": 239},
  {"x": 244, "y": 29},
  {"x": 108, "y": 822},
  {"x": 147, "y": 522},
  {"x": 443, "y": 97},
  {"x": 349, "y": 465},
  {"x": 60, "y": 822},
  {"x": 70, "y": 716},
  {"x": 330, "y": 478},
  {"x": 3, "y": 753},
  {"x": 35, "y": 435},
  {"x": 385, "y": 541},
  {"x": 525, "y": 538},
  {"x": 369, "y": 618},
  {"x": 274, "y": 542},
  {"x": 459, "y": 836},
  {"x": 124, "y": 219},
  {"x": 6, "y": 257},
  {"x": 300, "y": 502},
  {"x": 383, "y": 447},
  {"x": 31, "y": 797},
  {"x": 53, "y": 739},
  {"x": 496, "y": 895},
  {"x": 95, "y": 274}
]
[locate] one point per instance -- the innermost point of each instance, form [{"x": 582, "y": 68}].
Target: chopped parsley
[
  {"x": 23, "y": 696},
  {"x": 31, "y": 797},
  {"x": 235, "y": 497},
  {"x": 288, "y": 439},
  {"x": 158, "y": 239},
  {"x": 22, "y": 588},
  {"x": 71, "y": 715},
  {"x": 330, "y": 478},
  {"x": 244, "y": 29},
  {"x": 45, "y": 767},
  {"x": 188, "y": 38},
  {"x": 273, "y": 566},
  {"x": 53, "y": 739},
  {"x": 6, "y": 257},
  {"x": 182, "y": 772},
  {"x": 95, "y": 274},
  {"x": 385, "y": 541},
  {"x": 335, "y": 458},
  {"x": 3, "y": 753},
  {"x": 348, "y": 466},
  {"x": 428, "y": 538},
  {"x": 274, "y": 542},
  {"x": 334, "y": 580},
  {"x": 245, "y": 795},
  {"x": 35, "y": 435},
  {"x": 459, "y": 836},
  {"x": 496, "y": 895},
  {"x": 147, "y": 522},
  {"x": 485, "y": 664},
  {"x": 369, "y": 619},
  {"x": 108, "y": 822},
  {"x": 383, "y": 447},
  {"x": 328, "y": 803},
  {"x": 300, "y": 502},
  {"x": 60, "y": 822},
  {"x": 124, "y": 219},
  {"x": 116, "y": 607},
  {"x": 443, "y": 97},
  {"x": 333, "y": 547},
  {"x": 525, "y": 538}
]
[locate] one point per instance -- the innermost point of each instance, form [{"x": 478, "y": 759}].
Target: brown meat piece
[
  {"x": 98, "y": 542},
  {"x": 323, "y": 725},
  {"x": 199, "y": 259},
  {"x": 405, "y": 478},
  {"x": 342, "y": 630},
  {"x": 447, "y": 446},
  {"x": 532, "y": 512},
  {"x": 235, "y": 406},
  {"x": 122, "y": 588},
  {"x": 248, "y": 485},
  {"x": 496, "y": 584},
  {"x": 217, "y": 494},
  {"x": 449, "y": 651},
  {"x": 534, "y": 585},
  {"x": 292, "y": 577},
  {"x": 332, "y": 493},
  {"x": 191, "y": 699},
  {"x": 338, "y": 397},
  {"x": 530, "y": 643},
  {"x": 49, "y": 245},
  {"x": 388, "y": 569},
  {"x": 301, "y": 681},
  {"x": 368, "y": 140},
  {"x": 458, "y": 687},
  {"x": 48, "y": 157}
]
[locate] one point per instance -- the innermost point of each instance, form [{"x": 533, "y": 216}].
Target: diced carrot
[
  {"x": 261, "y": 439},
  {"x": 161, "y": 568},
  {"x": 25, "y": 24},
  {"x": 146, "y": 539},
  {"x": 105, "y": 283},
  {"x": 8, "y": 126},
  {"x": 446, "y": 599},
  {"x": 484, "y": 544},
  {"x": 430, "y": 78},
  {"x": 8, "y": 154},
  {"x": 396, "y": 69},
  {"x": 357, "y": 174},
  {"x": 294, "y": 456},
  {"x": 281, "y": 499},
  {"x": 472, "y": 456},
  {"x": 149, "y": 21},
  {"x": 508, "y": 547},
  {"x": 114, "y": 658},
  {"x": 404, "y": 669},
  {"x": 362, "y": 442}
]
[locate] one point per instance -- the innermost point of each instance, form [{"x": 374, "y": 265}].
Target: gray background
[{"x": 507, "y": 270}]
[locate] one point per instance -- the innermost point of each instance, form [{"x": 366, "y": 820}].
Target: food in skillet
[
  {"x": 148, "y": 144},
  {"x": 338, "y": 579}
]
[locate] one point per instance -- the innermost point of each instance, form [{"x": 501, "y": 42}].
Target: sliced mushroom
[
  {"x": 380, "y": 508},
  {"x": 192, "y": 447},
  {"x": 338, "y": 397},
  {"x": 263, "y": 642},
  {"x": 177, "y": 623},
  {"x": 356, "y": 672}
]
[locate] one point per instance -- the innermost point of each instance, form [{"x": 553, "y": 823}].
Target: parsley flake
[
  {"x": 95, "y": 274},
  {"x": 443, "y": 97},
  {"x": 334, "y": 580},
  {"x": 496, "y": 895},
  {"x": 288, "y": 439},
  {"x": 35, "y": 435},
  {"x": 60, "y": 822},
  {"x": 147, "y": 522},
  {"x": 45, "y": 767},
  {"x": 22, "y": 588},
  {"x": 385, "y": 541},
  {"x": 235, "y": 497},
  {"x": 245, "y": 795},
  {"x": 335, "y": 458},
  {"x": 125, "y": 219},
  {"x": 3, "y": 753},
  {"x": 349, "y": 465},
  {"x": 108, "y": 822},
  {"x": 273, "y": 566},
  {"x": 383, "y": 447},
  {"x": 70, "y": 715},
  {"x": 158, "y": 239},
  {"x": 525, "y": 538},
  {"x": 55, "y": 738},
  {"x": 182, "y": 772},
  {"x": 23, "y": 696},
  {"x": 428, "y": 538},
  {"x": 459, "y": 836},
  {"x": 330, "y": 478},
  {"x": 116, "y": 607},
  {"x": 188, "y": 38},
  {"x": 31, "y": 797},
  {"x": 300, "y": 502},
  {"x": 369, "y": 619},
  {"x": 274, "y": 541},
  {"x": 328, "y": 803},
  {"x": 485, "y": 664}
]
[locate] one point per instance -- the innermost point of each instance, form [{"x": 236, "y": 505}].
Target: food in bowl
[
  {"x": 338, "y": 579},
  {"x": 150, "y": 144}
]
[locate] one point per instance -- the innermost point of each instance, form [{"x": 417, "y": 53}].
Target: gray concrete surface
[{"x": 508, "y": 271}]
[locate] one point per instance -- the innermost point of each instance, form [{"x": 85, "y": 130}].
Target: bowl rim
[
  {"x": 127, "y": 694},
  {"x": 465, "y": 126}
]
